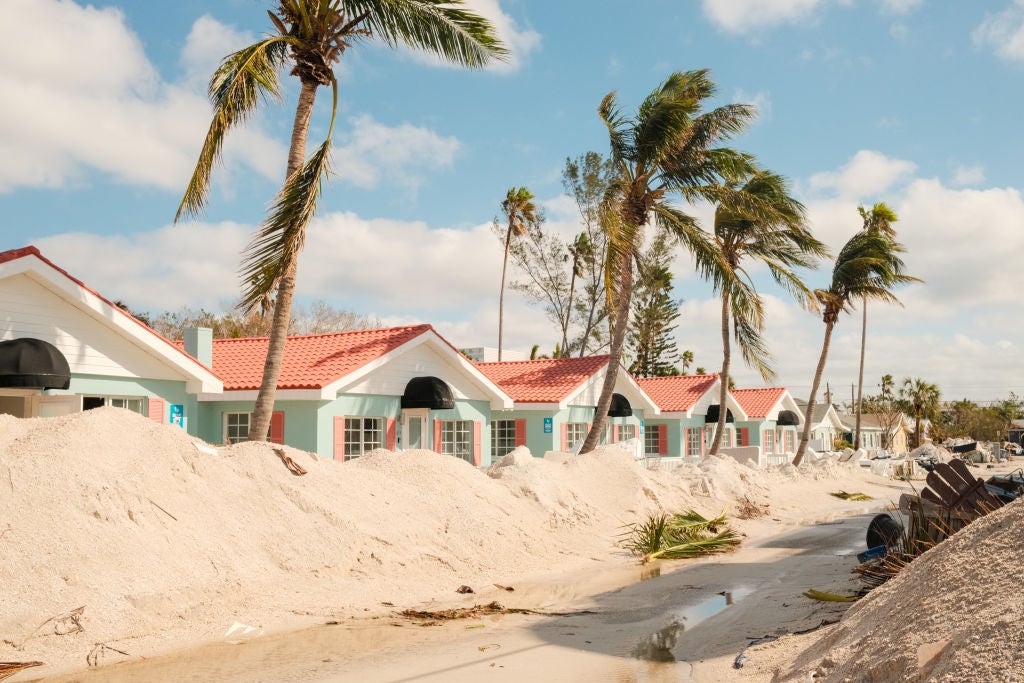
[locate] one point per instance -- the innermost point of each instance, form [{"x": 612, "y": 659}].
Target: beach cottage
[
  {"x": 555, "y": 400},
  {"x": 772, "y": 423},
  {"x": 344, "y": 394},
  {"x": 689, "y": 414},
  {"x": 65, "y": 349},
  {"x": 827, "y": 426}
]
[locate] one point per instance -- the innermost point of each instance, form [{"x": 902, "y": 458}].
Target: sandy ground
[{"x": 168, "y": 548}]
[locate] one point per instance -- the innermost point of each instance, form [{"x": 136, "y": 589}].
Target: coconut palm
[
  {"x": 782, "y": 242},
  {"x": 878, "y": 220},
  {"x": 520, "y": 215},
  {"x": 665, "y": 152},
  {"x": 311, "y": 36},
  {"x": 923, "y": 399},
  {"x": 867, "y": 267}
]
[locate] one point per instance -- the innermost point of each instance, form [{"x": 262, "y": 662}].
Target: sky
[{"x": 913, "y": 103}]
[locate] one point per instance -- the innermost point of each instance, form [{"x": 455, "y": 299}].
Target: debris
[
  {"x": 63, "y": 624},
  {"x": 8, "y": 669},
  {"x": 162, "y": 510},
  {"x": 203, "y": 448},
  {"x": 679, "y": 536},
  {"x": 492, "y": 646},
  {"x": 242, "y": 633},
  {"x": 473, "y": 612},
  {"x": 843, "y": 495},
  {"x": 293, "y": 467},
  {"x": 504, "y": 588},
  {"x": 464, "y": 589},
  {"x": 815, "y": 594},
  {"x": 93, "y": 658}
]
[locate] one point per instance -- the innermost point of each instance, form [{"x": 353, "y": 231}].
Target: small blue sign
[
  {"x": 178, "y": 415},
  {"x": 641, "y": 427},
  {"x": 549, "y": 426}
]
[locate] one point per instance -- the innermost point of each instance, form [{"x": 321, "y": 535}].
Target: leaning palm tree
[
  {"x": 923, "y": 398},
  {"x": 520, "y": 215},
  {"x": 867, "y": 267},
  {"x": 665, "y": 152},
  {"x": 311, "y": 36},
  {"x": 878, "y": 220},
  {"x": 782, "y": 242}
]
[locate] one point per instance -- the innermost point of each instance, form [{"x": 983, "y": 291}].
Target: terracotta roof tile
[
  {"x": 549, "y": 380},
  {"x": 310, "y": 362},
  {"x": 757, "y": 402},
  {"x": 679, "y": 393}
]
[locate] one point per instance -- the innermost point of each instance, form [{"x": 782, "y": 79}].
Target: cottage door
[{"x": 414, "y": 430}]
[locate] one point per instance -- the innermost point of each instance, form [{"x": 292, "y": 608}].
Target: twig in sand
[
  {"x": 63, "y": 624},
  {"x": 162, "y": 510},
  {"x": 93, "y": 658}
]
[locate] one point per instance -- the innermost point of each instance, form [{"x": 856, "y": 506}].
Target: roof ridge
[{"x": 423, "y": 326}]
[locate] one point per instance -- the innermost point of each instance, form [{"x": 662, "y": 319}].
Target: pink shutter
[
  {"x": 616, "y": 433},
  {"x": 276, "y": 427},
  {"x": 662, "y": 439},
  {"x": 686, "y": 442},
  {"x": 155, "y": 409},
  {"x": 437, "y": 436},
  {"x": 339, "y": 438},
  {"x": 703, "y": 443},
  {"x": 477, "y": 439},
  {"x": 744, "y": 437},
  {"x": 565, "y": 436},
  {"x": 391, "y": 434},
  {"x": 520, "y": 432}
]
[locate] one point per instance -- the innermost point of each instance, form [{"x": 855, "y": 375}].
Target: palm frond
[
  {"x": 753, "y": 348},
  {"x": 679, "y": 536},
  {"x": 236, "y": 88}
]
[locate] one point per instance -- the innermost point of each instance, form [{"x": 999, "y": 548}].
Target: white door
[{"x": 414, "y": 433}]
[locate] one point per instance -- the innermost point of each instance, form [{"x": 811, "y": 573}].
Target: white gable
[{"x": 589, "y": 394}]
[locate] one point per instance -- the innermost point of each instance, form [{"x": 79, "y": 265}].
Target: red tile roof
[
  {"x": 549, "y": 380},
  {"x": 676, "y": 394},
  {"x": 310, "y": 362},
  {"x": 15, "y": 254},
  {"x": 757, "y": 402}
]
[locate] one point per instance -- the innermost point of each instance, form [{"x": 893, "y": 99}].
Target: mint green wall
[
  {"x": 540, "y": 443},
  {"x": 300, "y": 421},
  {"x": 677, "y": 432},
  {"x": 171, "y": 391}
]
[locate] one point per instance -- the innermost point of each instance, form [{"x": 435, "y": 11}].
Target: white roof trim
[
  {"x": 198, "y": 379},
  {"x": 648, "y": 405}
]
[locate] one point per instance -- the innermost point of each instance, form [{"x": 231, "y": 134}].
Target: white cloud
[
  {"x": 742, "y": 16},
  {"x": 965, "y": 176},
  {"x": 761, "y": 99},
  {"x": 867, "y": 173},
  {"x": 900, "y": 6},
  {"x": 1003, "y": 31},
  {"x": 207, "y": 44},
  {"x": 375, "y": 151},
  {"x": 898, "y": 31}
]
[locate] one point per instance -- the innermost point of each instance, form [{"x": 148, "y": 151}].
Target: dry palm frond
[
  {"x": 464, "y": 612},
  {"x": 823, "y": 596},
  {"x": 851, "y": 496}
]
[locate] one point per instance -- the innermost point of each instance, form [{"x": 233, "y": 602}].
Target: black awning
[
  {"x": 787, "y": 418},
  {"x": 427, "y": 392},
  {"x": 620, "y": 407},
  {"x": 33, "y": 364},
  {"x": 713, "y": 412}
]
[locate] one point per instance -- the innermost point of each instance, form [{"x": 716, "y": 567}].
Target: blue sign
[
  {"x": 178, "y": 415},
  {"x": 641, "y": 427},
  {"x": 548, "y": 425}
]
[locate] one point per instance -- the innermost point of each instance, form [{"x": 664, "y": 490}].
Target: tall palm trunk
[
  {"x": 724, "y": 376},
  {"x": 619, "y": 325},
  {"x": 805, "y": 435},
  {"x": 860, "y": 377},
  {"x": 286, "y": 287},
  {"x": 501, "y": 294}
]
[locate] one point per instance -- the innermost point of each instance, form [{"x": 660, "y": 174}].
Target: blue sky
[{"x": 909, "y": 102}]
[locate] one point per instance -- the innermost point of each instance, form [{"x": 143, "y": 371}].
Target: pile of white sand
[{"x": 164, "y": 545}]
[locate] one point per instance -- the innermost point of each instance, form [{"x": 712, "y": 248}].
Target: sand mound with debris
[
  {"x": 163, "y": 544},
  {"x": 952, "y": 615}
]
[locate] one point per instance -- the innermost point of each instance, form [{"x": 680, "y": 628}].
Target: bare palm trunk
[
  {"x": 860, "y": 377},
  {"x": 723, "y": 377},
  {"x": 501, "y": 294},
  {"x": 620, "y": 323},
  {"x": 805, "y": 436},
  {"x": 286, "y": 287}
]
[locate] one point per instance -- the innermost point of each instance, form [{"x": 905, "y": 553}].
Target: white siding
[
  {"x": 29, "y": 309},
  {"x": 420, "y": 361}
]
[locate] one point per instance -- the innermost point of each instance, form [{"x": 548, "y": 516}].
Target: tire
[{"x": 884, "y": 530}]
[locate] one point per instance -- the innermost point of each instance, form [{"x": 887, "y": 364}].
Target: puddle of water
[{"x": 658, "y": 646}]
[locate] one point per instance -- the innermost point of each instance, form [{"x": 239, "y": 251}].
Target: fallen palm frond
[
  {"x": 823, "y": 596},
  {"x": 8, "y": 669},
  {"x": 680, "y": 536},
  {"x": 473, "y": 612},
  {"x": 851, "y": 496}
]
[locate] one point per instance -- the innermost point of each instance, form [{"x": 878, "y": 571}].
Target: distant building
[{"x": 489, "y": 354}]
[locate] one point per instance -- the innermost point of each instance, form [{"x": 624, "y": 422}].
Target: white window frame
[
  {"x": 627, "y": 427},
  {"x": 694, "y": 438},
  {"x": 457, "y": 439},
  {"x": 790, "y": 441},
  {"x": 227, "y": 426},
  {"x": 361, "y": 438},
  {"x": 114, "y": 400},
  {"x": 574, "y": 431},
  {"x": 652, "y": 439},
  {"x": 503, "y": 437},
  {"x": 769, "y": 441}
]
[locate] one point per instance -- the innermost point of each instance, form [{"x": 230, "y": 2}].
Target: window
[
  {"x": 457, "y": 439},
  {"x": 709, "y": 434},
  {"x": 362, "y": 435},
  {"x": 574, "y": 433},
  {"x": 790, "y": 439},
  {"x": 132, "y": 404},
  {"x": 693, "y": 441},
  {"x": 652, "y": 439},
  {"x": 627, "y": 432},
  {"x": 727, "y": 438},
  {"x": 236, "y": 427},
  {"x": 769, "y": 442},
  {"x": 503, "y": 437}
]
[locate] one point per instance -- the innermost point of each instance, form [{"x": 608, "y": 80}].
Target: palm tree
[
  {"x": 520, "y": 215},
  {"x": 878, "y": 220},
  {"x": 782, "y": 242},
  {"x": 311, "y": 36},
  {"x": 867, "y": 267},
  {"x": 665, "y": 152},
  {"x": 923, "y": 398}
]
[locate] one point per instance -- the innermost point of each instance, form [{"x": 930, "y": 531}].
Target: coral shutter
[
  {"x": 437, "y": 436},
  {"x": 616, "y": 433},
  {"x": 686, "y": 442},
  {"x": 339, "y": 437},
  {"x": 392, "y": 434},
  {"x": 662, "y": 439},
  {"x": 477, "y": 439},
  {"x": 520, "y": 432},
  {"x": 156, "y": 409},
  {"x": 276, "y": 427},
  {"x": 565, "y": 436},
  {"x": 744, "y": 436}
]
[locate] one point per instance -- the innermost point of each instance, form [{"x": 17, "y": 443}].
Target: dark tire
[{"x": 884, "y": 530}]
